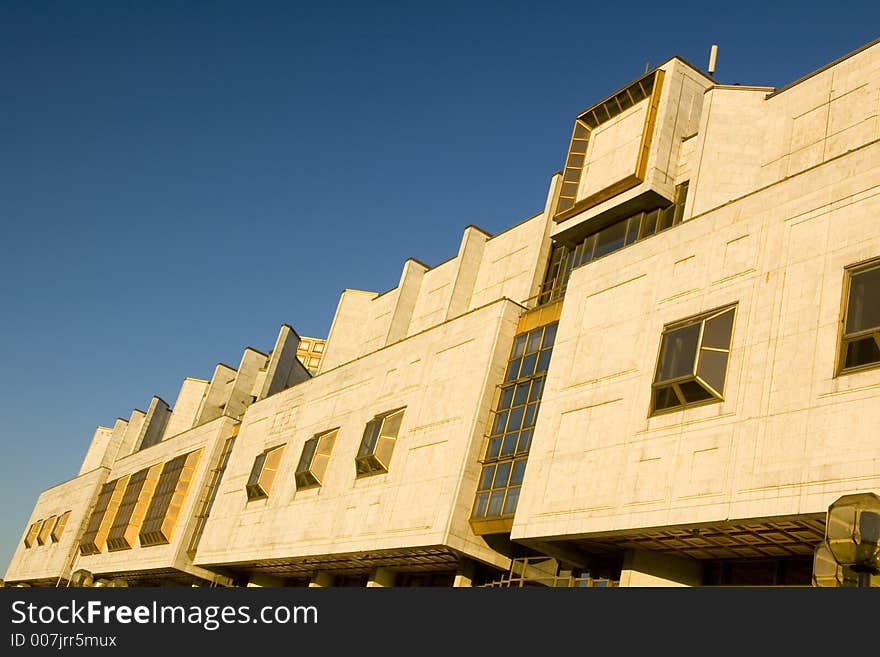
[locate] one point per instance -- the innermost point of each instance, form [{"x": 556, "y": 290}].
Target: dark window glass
[
  {"x": 487, "y": 477},
  {"x": 531, "y": 412},
  {"x": 678, "y": 352},
  {"x": 510, "y": 501},
  {"x": 519, "y": 345},
  {"x": 506, "y": 397},
  {"x": 522, "y": 394},
  {"x": 514, "y": 422},
  {"x": 482, "y": 503},
  {"x": 863, "y": 308},
  {"x": 534, "y": 342},
  {"x": 371, "y": 435},
  {"x": 549, "y": 334},
  {"x": 665, "y": 217},
  {"x": 500, "y": 423},
  {"x": 519, "y": 469},
  {"x": 693, "y": 392},
  {"x": 502, "y": 474},
  {"x": 713, "y": 365},
  {"x": 528, "y": 365},
  {"x": 717, "y": 332},
  {"x": 665, "y": 398},
  {"x": 512, "y": 370},
  {"x": 649, "y": 223},
  {"x": 494, "y": 448},
  {"x": 632, "y": 229},
  {"x": 543, "y": 361},
  {"x": 525, "y": 441},
  {"x": 610, "y": 239},
  {"x": 495, "y": 501},
  {"x": 537, "y": 389},
  {"x": 509, "y": 444},
  {"x": 862, "y": 352}
]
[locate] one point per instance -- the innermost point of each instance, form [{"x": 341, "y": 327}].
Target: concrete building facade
[{"x": 663, "y": 378}]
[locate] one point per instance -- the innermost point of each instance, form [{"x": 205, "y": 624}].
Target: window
[
  {"x": 512, "y": 426},
  {"x": 167, "y": 503},
  {"x": 693, "y": 361},
  {"x": 216, "y": 477},
  {"x": 45, "y": 528},
  {"x": 860, "y": 344},
  {"x": 95, "y": 537},
  {"x": 58, "y": 529},
  {"x": 31, "y": 536},
  {"x": 564, "y": 258},
  {"x": 314, "y": 459},
  {"x": 377, "y": 445},
  {"x": 263, "y": 473},
  {"x": 132, "y": 508}
]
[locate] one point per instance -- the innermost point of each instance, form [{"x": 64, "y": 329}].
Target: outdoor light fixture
[
  {"x": 81, "y": 577},
  {"x": 852, "y": 535}
]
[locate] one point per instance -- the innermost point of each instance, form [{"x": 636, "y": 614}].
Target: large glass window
[
  {"x": 693, "y": 359},
  {"x": 860, "y": 343},
  {"x": 513, "y": 423},
  {"x": 377, "y": 444},
  {"x": 564, "y": 257},
  {"x": 95, "y": 537},
  {"x": 166, "y": 504}
]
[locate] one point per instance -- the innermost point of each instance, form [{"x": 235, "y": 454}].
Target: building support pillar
[
  {"x": 648, "y": 568},
  {"x": 321, "y": 580},
  {"x": 464, "y": 576},
  {"x": 257, "y": 580},
  {"x": 381, "y": 577}
]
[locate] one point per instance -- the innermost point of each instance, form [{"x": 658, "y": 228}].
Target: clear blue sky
[{"x": 178, "y": 179}]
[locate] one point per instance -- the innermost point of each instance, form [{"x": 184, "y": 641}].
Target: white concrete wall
[
  {"x": 211, "y": 438},
  {"x": 53, "y": 560},
  {"x": 434, "y": 465},
  {"x": 344, "y": 341},
  {"x": 789, "y": 437},
  {"x": 513, "y": 262},
  {"x": 97, "y": 451},
  {"x": 183, "y": 415}
]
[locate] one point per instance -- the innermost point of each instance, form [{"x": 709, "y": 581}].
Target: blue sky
[{"x": 178, "y": 179}]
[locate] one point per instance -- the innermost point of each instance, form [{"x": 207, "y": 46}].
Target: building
[{"x": 663, "y": 378}]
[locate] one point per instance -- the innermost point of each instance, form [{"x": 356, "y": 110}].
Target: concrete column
[
  {"x": 321, "y": 580},
  {"x": 259, "y": 580},
  {"x": 648, "y": 568},
  {"x": 464, "y": 576},
  {"x": 381, "y": 577},
  {"x": 407, "y": 295}
]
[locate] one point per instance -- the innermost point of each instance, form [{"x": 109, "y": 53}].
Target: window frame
[
  {"x": 257, "y": 488},
  {"x": 306, "y": 476},
  {"x": 58, "y": 527},
  {"x": 675, "y": 383},
  {"x": 844, "y": 339},
  {"x": 367, "y": 462}
]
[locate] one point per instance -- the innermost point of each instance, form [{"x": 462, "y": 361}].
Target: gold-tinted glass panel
[
  {"x": 95, "y": 537},
  {"x": 314, "y": 459},
  {"x": 263, "y": 473},
  {"x": 692, "y": 363},
  {"x": 45, "y": 529},
  {"x": 60, "y": 524},
  {"x": 377, "y": 444},
  {"x": 31, "y": 537},
  {"x": 133, "y": 508},
  {"x": 164, "y": 509}
]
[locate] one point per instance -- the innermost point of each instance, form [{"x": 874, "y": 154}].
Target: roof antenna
[
  {"x": 713, "y": 55},
  {"x": 647, "y": 66}
]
